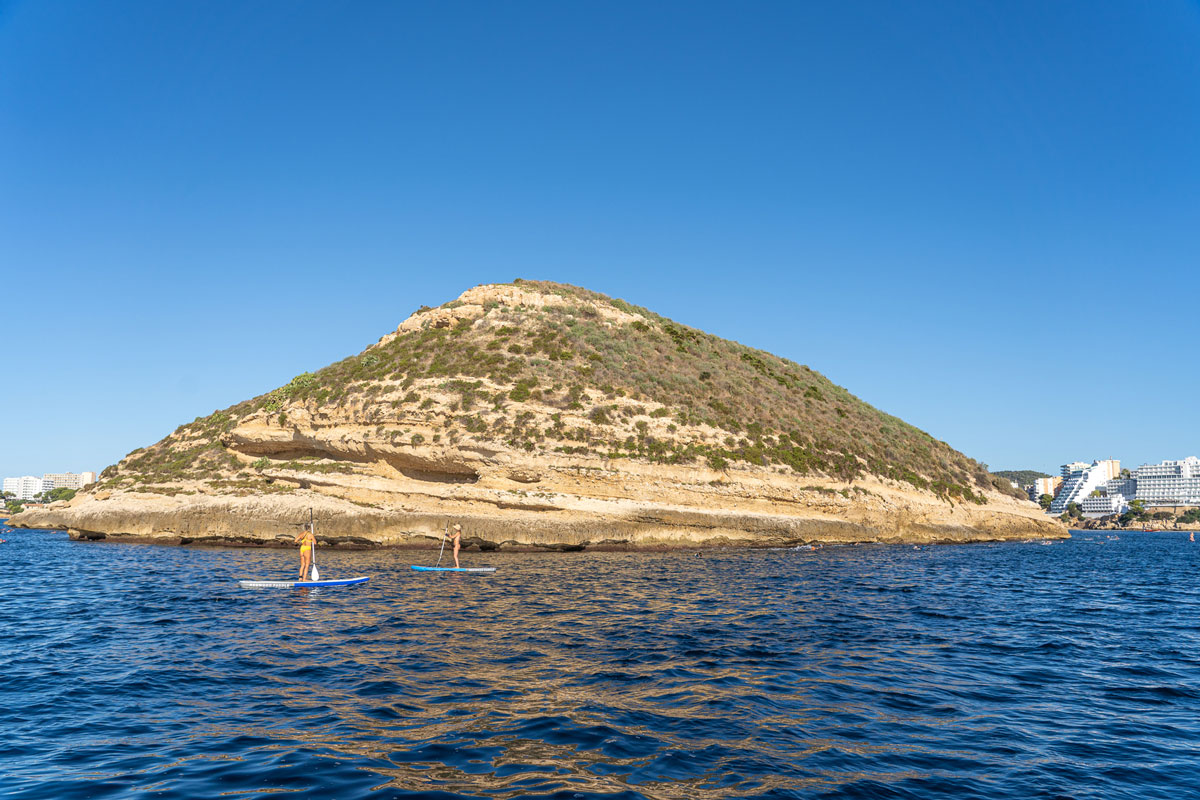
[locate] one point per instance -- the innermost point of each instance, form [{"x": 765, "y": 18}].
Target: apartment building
[
  {"x": 67, "y": 480},
  {"x": 1048, "y": 486},
  {"x": 1104, "y": 505},
  {"x": 23, "y": 488},
  {"x": 1081, "y": 479},
  {"x": 1169, "y": 483}
]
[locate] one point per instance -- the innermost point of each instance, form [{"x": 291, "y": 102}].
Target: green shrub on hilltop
[{"x": 299, "y": 387}]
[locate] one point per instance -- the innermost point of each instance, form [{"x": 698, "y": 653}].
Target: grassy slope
[{"x": 771, "y": 410}]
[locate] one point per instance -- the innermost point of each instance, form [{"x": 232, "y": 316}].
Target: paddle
[
  {"x": 316, "y": 576},
  {"x": 445, "y": 530}
]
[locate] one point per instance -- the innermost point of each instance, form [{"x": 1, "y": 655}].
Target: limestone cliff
[{"x": 546, "y": 416}]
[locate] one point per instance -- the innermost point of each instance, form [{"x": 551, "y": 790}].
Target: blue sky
[{"x": 981, "y": 217}]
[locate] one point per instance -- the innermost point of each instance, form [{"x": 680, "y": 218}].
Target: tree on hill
[
  {"x": 1136, "y": 513},
  {"x": 1021, "y": 477},
  {"x": 52, "y": 495},
  {"x": 1045, "y": 500}
]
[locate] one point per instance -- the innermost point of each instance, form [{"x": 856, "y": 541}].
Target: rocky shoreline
[
  {"x": 1146, "y": 526},
  {"x": 631, "y": 507}
]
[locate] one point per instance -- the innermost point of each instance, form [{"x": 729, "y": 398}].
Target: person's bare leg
[
  {"x": 305, "y": 562},
  {"x": 456, "y": 546}
]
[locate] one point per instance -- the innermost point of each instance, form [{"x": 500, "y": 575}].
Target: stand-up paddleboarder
[
  {"x": 456, "y": 539},
  {"x": 454, "y": 534},
  {"x": 307, "y": 542}
]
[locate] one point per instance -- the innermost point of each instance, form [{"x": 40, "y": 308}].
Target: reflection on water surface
[{"x": 1008, "y": 670}]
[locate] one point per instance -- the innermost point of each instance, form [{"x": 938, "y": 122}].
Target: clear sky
[{"x": 981, "y": 217}]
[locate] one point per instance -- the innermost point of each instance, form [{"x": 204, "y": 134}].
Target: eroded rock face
[
  {"x": 571, "y": 507},
  {"x": 524, "y": 475},
  {"x": 346, "y": 441}
]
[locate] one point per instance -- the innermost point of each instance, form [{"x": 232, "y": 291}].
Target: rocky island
[{"x": 546, "y": 416}]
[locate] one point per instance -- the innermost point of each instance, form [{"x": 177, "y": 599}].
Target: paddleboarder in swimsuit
[
  {"x": 456, "y": 538},
  {"x": 307, "y": 542}
]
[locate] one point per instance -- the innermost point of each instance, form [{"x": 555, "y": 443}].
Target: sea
[{"x": 1044, "y": 669}]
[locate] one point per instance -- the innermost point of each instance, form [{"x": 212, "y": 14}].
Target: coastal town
[
  {"x": 30, "y": 491},
  {"x": 1166, "y": 493}
]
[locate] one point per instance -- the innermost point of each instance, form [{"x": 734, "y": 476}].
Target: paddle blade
[{"x": 316, "y": 576}]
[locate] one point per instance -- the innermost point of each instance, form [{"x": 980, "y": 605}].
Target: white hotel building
[
  {"x": 1104, "y": 505},
  {"x": 1081, "y": 479},
  {"x": 24, "y": 488},
  {"x": 1171, "y": 483},
  {"x": 67, "y": 480},
  {"x": 27, "y": 487}
]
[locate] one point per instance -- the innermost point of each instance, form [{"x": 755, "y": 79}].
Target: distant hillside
[
  {"x": 546, "y": 368},
  {"x": 1023, "y": 477}
]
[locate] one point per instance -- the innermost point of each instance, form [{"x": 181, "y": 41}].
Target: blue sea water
[{"x": 1022, "y": 670}]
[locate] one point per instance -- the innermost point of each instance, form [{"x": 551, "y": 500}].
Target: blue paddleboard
[
  {"x": 301, "y": 584},
  {"x": 453, "y": 569}
]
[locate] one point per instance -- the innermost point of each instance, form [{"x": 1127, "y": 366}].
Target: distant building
[
  {"x": 1074, "y": 466},
  {"x": 1104, "y": 505},
  {"x": 1046, "y": 486},
  {"x": 1080, "y": 480},
  {"x": 24, "y": 488},
  {"x": 1126, "y": 487},
  {"x": 1170, "y": 483},
  {"x": 67, "y": 480}
]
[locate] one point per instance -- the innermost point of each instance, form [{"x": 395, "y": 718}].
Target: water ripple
[{"x": 984, "y": 671}]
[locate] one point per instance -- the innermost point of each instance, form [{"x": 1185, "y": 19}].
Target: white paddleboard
[{"x": 301, "y": 584}]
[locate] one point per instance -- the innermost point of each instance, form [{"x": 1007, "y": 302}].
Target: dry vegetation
[{"x": 564, "y": 378}]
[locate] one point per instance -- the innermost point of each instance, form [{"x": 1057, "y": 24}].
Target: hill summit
[{"x": 549, "y": 415}]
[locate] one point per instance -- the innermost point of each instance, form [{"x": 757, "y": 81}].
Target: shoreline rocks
[{"x": 602, "y": 510}]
